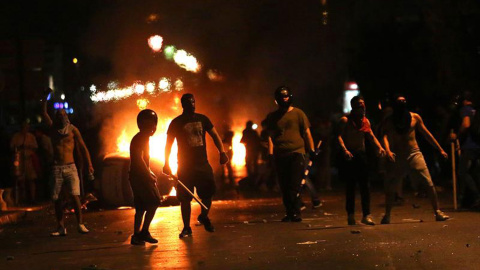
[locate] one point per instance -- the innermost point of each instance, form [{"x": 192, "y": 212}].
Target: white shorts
[{"x": 65, "y": 174}]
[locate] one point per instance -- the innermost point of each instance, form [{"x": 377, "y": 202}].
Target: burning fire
[
  {"x": 157, "y": 144},
  {"x": 239, "y": 151},
  {"x": 142, "y": 103},
  {"x": 173, "y": 192},
  {"x": 114, "y": 93},
  {"x": 155, "y": 43},
  {"x": 186, "y": 61}
]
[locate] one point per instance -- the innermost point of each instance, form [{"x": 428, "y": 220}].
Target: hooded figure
[{"x": 401, "y": 116}]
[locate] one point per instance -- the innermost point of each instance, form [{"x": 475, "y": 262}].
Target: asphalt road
[{"x": 249, "y": 235}]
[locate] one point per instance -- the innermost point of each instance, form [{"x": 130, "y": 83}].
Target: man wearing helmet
[
  {"x": 142, "y": 180},
  {"x": 288, "y": 131},
  {"x": 65, "y": 137},
  {"x": 193, "y": 168}
]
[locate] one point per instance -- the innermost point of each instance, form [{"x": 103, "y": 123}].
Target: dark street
[{"x": 249, "y": 235}]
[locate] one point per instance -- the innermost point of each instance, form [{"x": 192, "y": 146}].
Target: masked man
[
  {"x": 64, "y": 137},
  {"x": 354, "y": 129},
  {"x": 288, "y": 132},
  {"x": 193, "y": 168},
  {"x": 404, "y": 155}
]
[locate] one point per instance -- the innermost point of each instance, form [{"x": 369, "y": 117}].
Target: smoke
[{"x": 255, "y": 45}]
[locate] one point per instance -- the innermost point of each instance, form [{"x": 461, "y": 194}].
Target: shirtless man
[
  {"x": 404, "y": 155},
  {"x": 354, "y": 129},
  {"x": 64, "y": 138}
]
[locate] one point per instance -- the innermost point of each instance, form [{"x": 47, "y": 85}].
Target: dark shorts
[
  {"x": 199, "y": 177},
  {"x": 145, "y": 193}
]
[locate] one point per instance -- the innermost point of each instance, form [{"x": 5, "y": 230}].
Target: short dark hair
[{"x": 355, "y": 99}]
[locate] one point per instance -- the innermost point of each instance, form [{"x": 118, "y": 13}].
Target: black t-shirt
[{"x": 189, "y": 130}]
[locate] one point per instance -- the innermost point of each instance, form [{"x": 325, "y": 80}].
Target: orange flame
[
  {"x": 239, "y": 151},
  {"x": 173, "y": 192},
  {"x": 157, "y": 145}
]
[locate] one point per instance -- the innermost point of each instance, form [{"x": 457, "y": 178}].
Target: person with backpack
[{"x": 469, "y": 137}]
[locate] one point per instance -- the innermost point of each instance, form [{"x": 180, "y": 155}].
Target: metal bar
[{"x": 189, "y": 191}]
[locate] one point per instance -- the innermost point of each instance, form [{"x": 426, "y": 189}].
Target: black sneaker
[
  {"x": 205, "y": 221},
  {"x": 136, "y": 240},
  {"x": 186, "y": 232},
  {"x": 385, "y": 220},
  {"x": 147, "y": 237},
  {"x": 286, "y": 219}
]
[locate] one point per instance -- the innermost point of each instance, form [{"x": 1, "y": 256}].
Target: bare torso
[
  {"x": 63, "y": 147},
  {"x": 402, "y": 143}
]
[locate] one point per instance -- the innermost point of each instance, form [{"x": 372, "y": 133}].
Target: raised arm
[
  {"x": 46, "y": 118},
  {"x": 341, "y": 129},
  {"x": 83, "y": 148},
  {"x": 420, "y": 126}
]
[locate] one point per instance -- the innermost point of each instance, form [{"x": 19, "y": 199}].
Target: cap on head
[
  {"x": 283, "y": 96},
  {"x": 147, "y": 121},
  {"x": 188, "y": 103}
]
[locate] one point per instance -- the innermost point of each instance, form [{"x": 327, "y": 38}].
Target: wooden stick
[
  {"x": 454, "y": 176},
  {"x": 189, "y": 191}
]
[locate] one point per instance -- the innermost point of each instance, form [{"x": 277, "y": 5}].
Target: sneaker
[
  {"x": 147, "y": 237},
  {"x": 186, "y": 232},
  {"x": 82, "y": 229},
  {"x": 440, "y": 216},
  {"x": 385, "y": 220},
  {"x": 59, "y": 232},
  {"x": 136, "y": 240},
  {"x": 286, "y": 219},
  {"x": 205, "y": 221},
  {"x": 367, "y": 220},
  {"x": 351, "y": 219},
  {"x": 316, "y": 204}
]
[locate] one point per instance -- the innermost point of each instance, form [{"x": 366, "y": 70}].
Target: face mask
[
  {"x": 401, "y": 117},
  {"x": 188, "y": 105},
  {"x": 281, "y": 95},
  {"x": 359, "y": 111}
]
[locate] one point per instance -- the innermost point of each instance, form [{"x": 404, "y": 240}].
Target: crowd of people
[{"x": 281, "y": 154}]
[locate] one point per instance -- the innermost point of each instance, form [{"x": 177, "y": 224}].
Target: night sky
[{"x": 422, "y": 48}]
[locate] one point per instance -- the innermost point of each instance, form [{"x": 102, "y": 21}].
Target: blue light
[
  {"x": 65, "y": 105},
  {"x": 49, "y": 96},
  {"x": 56, "y": 105},
  {"x": 70, "y": 111}
]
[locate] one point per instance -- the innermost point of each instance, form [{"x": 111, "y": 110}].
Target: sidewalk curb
[
  {"x": 12, "y": 217},
  {"x": 18, "y": 213}
]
